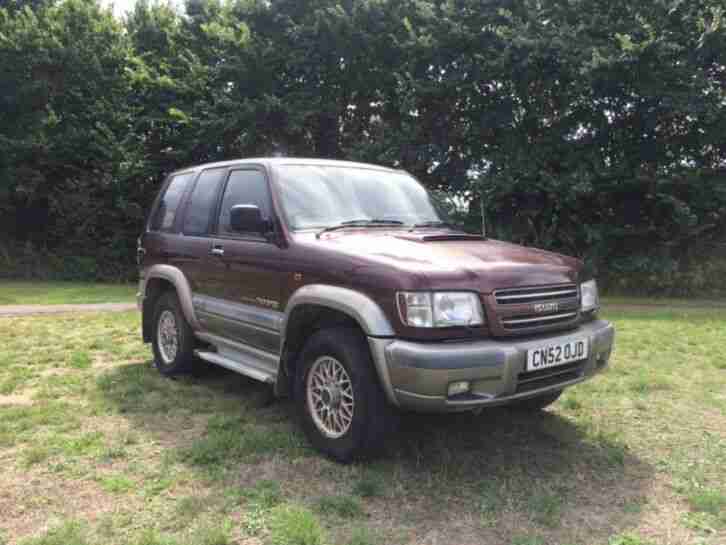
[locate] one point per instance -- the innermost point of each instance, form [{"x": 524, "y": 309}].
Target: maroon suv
[{"x": 344, "y": 285}]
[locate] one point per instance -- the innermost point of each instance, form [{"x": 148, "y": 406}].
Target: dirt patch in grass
[
  {"x": 635, "y": 456},
  {"x": 26, "y": 398},
  {"x": 33, "y": 501}
]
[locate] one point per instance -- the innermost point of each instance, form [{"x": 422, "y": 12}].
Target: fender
[
  {"x": 364, "y": 310},
  {"x": 355, "y": 304},
  {"x": 183, "y": 290}
]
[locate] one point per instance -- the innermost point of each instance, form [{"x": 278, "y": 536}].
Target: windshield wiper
[
  {"x": 359, "y": 223},
  {"x": 434, "y": 223}
]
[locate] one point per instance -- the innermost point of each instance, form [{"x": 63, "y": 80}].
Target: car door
[
  {"x": 160, "y": 241},
  {"x": 243, "y": 302},
  {"x": 196, "y": 228}
]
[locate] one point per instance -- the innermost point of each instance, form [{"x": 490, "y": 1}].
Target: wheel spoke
[
  {"x": 168, "y": 336},
  {"x": 330, "y": 397}
]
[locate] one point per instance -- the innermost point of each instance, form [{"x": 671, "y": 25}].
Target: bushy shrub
[
  {"x": 663, "y": 276},
  {"x": 31, "y": 263}
]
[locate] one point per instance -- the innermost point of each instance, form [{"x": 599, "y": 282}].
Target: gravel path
[{"x": 25, "y": 310}]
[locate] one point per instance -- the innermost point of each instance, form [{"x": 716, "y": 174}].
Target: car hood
[{"x": 441, "y": 259}]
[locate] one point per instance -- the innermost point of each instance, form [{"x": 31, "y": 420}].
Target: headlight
[
  {"x": 440, "y": 309},
  {"x": 589, "y": 298}
]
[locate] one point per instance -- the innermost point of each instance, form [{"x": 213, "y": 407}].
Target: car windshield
[{"x": 323, "y": 196}]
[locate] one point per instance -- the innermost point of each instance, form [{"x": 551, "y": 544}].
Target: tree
[{"x": 63, "y": 125}]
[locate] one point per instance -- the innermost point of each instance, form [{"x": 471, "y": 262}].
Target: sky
[{"x": 120, "y": 7}]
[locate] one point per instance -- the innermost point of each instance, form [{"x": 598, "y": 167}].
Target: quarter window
[
  {"x": 244, "y": 187},
  {"x": 202, "y": 201},
  {"x": 163, "y": 219}
]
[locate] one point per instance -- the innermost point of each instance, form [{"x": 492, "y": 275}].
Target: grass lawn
[
  {"x": 671, "y": 302},
  {"x": 96, "y": 447},
  {"x": 16, "y": 292}
]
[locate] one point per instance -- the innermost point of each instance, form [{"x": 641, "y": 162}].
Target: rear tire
[
  {"x": 172, "y": 337},
  {"x": 536, "y": 403},
  {"x": 343, "y": 408}
]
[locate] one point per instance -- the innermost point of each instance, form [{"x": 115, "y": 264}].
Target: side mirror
[{"x": 247, "y": 218}]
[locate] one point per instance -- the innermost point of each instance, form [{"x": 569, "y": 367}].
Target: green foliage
[{"x": 593, "y": 128}]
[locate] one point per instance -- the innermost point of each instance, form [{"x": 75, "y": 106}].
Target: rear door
[
  {"x": 196, "y": 229},
  {"x": 160, "y": 242},
  {"x": 243, "y": 302}
]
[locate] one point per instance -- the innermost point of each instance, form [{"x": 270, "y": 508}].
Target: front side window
[
  {"x": 321, "y": 196},
  {"x": 163, "y": 219},
  {"x": 202, "y": 201},
  {"x": 244, "y": 187}
]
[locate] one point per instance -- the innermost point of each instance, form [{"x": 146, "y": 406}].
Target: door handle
[
  {"x": 217, "y": 250},
  {"x": 140, "y": 254}
]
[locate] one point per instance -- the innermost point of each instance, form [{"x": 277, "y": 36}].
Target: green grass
[
  {"x": 264, "y": 494},
  {"x": 709, "y": 509},
  {"x": 669, "y": 302},
  {"x": 371, "y": 485},
  {"x": 17, "y": 292},
  {"x": 546, "y": 507},
  {"x": 36, "y": 455},
  {"x": 628, "y": 539},
  {"x": 89, "y": 431},
  {"x": 361, "y": 535},
  {"x": 528, "y": 540},
  {"x": 211, "y": 534},
  {"x": 69, "y": 533},
  {"x": 348, "y": 507},
  {"x": 117, "y": 484},
  {"x": 294, "y": 525}
]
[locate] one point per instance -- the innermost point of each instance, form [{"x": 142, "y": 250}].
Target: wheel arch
[
  {"x": 157, "y": 280},
  {"x": 315, "y": 307}
]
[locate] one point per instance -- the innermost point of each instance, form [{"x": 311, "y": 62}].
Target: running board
[
  {"x": 240, "y": 358},
  {"x": 243, "y": 368}
]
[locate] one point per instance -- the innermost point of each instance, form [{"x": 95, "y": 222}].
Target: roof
[{"x": 279, "y": 161}]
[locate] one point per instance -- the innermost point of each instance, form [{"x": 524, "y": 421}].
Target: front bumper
[{"x": 417, "y": 375}]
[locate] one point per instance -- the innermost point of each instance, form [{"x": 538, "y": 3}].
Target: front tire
[
  {"x": 173, "y": 338},
  {"x": 344, "y": 410},
  {"x": 537, "y": 403}
]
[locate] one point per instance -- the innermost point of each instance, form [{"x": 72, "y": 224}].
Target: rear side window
[
  {"x": 244, "y": 187},
  {"x": 202, "y": 201},
  {"x": 163, "y": 219}
]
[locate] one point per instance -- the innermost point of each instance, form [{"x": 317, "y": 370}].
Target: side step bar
[
  {"x": 240, "y": 358},
  {"x": 246, "y": 368}
]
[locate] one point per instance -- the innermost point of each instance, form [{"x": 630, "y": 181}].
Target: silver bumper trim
[{"x": 417, "y": 374}]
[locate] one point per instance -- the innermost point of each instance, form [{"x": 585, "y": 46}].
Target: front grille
[
  {"x": 534, "y": 380},
  {"x": 538, "y": 308},
  {"x": 537, "y": 320},
  {"x": 535, "y": 295}
]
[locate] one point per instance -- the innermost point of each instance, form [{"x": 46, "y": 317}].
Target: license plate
[{"x": 556, "y": 354}]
